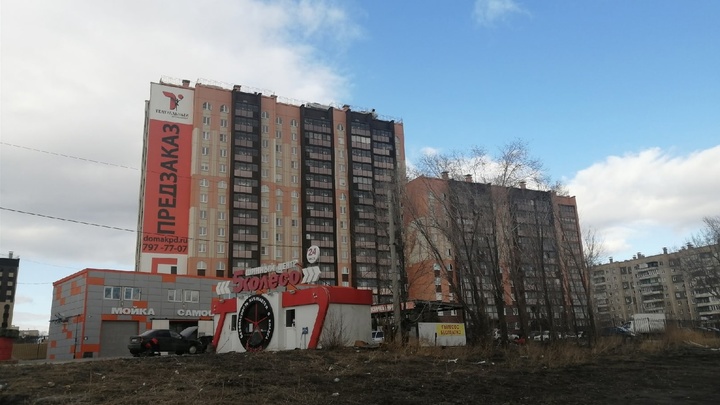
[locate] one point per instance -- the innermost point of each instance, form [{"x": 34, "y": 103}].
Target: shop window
[
  {"x": 174, "y": 295},
  {"x": 131, "y": 293},
  {"x": 112, "y": 293},
  {"x": 191, "y": 296}
]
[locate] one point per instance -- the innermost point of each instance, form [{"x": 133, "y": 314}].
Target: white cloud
[
  {"x": 487, "y": 12},
  {"x": 648, "y": 199},
  {"x": 74, "y": 82}
]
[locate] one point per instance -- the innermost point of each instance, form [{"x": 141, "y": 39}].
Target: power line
[
  {"x": 115, "y": 228},
  {"x": 68, "y": 156},
  {"x": 68, "y": 220}
]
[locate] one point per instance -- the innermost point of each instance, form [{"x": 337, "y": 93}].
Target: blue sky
[{"x": 620, "y": 100}]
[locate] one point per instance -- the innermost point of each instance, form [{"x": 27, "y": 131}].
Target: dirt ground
[{"x": 682, "y": 375}]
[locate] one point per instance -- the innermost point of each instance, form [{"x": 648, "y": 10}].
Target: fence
[{"x": 29, "y": 351}]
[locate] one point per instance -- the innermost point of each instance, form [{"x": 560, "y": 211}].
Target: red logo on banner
[{"x": 174, "y": 100}]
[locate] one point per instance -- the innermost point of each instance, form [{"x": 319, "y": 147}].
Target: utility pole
[{"x": 397, "y": 336}]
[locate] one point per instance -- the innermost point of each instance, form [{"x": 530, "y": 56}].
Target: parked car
[
  {"x": 378, "y": 336},
  {"x": 154, "y": 341},
  {"x": 616, "y": 331}
]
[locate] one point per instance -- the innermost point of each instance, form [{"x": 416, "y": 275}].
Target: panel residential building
[
  {"x": 655, "y": 284},
  {"x": 526, "y": 240}
]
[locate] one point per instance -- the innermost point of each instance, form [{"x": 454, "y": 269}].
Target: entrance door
[{"x": 115, "y": 336}]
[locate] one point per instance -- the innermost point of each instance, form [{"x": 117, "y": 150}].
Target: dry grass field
[{"x": 680, "y": 368}]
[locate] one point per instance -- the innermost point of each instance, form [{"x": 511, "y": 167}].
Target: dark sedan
[{"x": 154, "y": 341}]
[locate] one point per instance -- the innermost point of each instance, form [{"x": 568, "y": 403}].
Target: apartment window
[
  {"x": 438, "y": 296},
  {"x": 294, "y": 223},
  {"x": 294, "y": 179},
  {"x": 221, "y": 215},
  {"x": 263, "y": 250},
  {"x": 264, "y": 173},
  {"x": 223, "y": 122},
  {"x": 345, "y": 270},
  {"x": 265, "y": 143},
  {"x": 206, "y": 135},
  {"x": 278, "y": 206},
  {"x": 220, "y": 248},
  {"x": 294, "y": 164},
  {"x": 278, "y": 253},
  {"x": 264, "y": 235},
  {"x": 346, "y": 284},
  {"x": 340, "y": 127},
  {"x": 264, "y": 219},
  {"x": 295, "y": 194},
  {"x": 202, "y": 247},
  {"x": 223, "y": 108},
  {"x": 265, "y": 129},
  {"x": 131, "y": 293},
  {"x": 293, "y": 150},
  {"x": 223, "y": 152},
  {"x": 112, "y": 293},
  {"x": 203, "y": 198},
  {"x": 278, "y": 222},
  {"x": 204, "y": 167},
  {"x": 204, "y": 182},
  {"x": 203, "y": 214},
  {"x": 278, "y": 134},
  {"x": 205, "y": 151},
  {"x": 265, "y": 114},
  {"x": 294, "y": 136},
  {"x": 202, "y": 231},
  {"x": 295, "y": 238},
  {"x": 344, "y": 239},
  {"x": 206, "y": 106},
  {"x": 206, "y": 120},
  {"x": 343, "y": 224},
  {"x": 174, "y": 295},
  {"x": 293, "y": 123},
  {"x": 264, "y": 158},
  {"x": 278, "y": 162},
  {"x": 278, "y": 237},
  {"x": 223, "y": 137},
  {"x": 221, "y": 231},
  {"x": 191, "y": 296},
  {"x": 294, "y": 208},
  {"x": 342, "y": 210},
  {"x": 278, "y": 120},
  {"x": 265, "y": 202},
  {"x": 222, "y": 184},
  {"x": 341, "y": 168},
  {"x": 221, "y": 199}
]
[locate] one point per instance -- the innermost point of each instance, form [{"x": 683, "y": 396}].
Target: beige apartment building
[
  {"x": 236, "y": 178},
  {"x": 653, "y": 284}
]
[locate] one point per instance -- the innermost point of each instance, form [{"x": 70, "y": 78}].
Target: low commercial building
[{"x": 95, "y": 311}]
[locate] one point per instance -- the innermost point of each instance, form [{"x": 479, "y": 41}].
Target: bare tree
[
  {"x": 478, "y": 224},
  {"x": 579, "y": 263},
  {"x": 701, "y": 261}
]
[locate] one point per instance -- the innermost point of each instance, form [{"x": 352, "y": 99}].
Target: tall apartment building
[
  {"x": 234, "y": 179},
  {"x": 654, "y": 284},
  {"x": 484, "y": 238},
  {"x": 9, "y": 268}
]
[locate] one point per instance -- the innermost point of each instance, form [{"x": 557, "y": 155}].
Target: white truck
[{"x": 645, "y": 324}]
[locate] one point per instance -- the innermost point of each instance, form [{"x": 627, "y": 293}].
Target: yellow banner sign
[{"x": 450, "y": 329}]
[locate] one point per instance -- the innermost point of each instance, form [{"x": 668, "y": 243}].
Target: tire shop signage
[{"x": 268, "y": 277}]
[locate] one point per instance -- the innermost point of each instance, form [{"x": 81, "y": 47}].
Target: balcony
[{"x": 647, "y": 274}]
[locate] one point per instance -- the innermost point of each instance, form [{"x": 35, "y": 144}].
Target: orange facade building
[{"x": 234, "y": 179}]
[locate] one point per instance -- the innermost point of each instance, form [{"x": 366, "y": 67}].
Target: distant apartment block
[
  {"x": 654, "y": 284},
  {"x": 234, "y": 178},
  {"x": 8, "y": 285}
]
